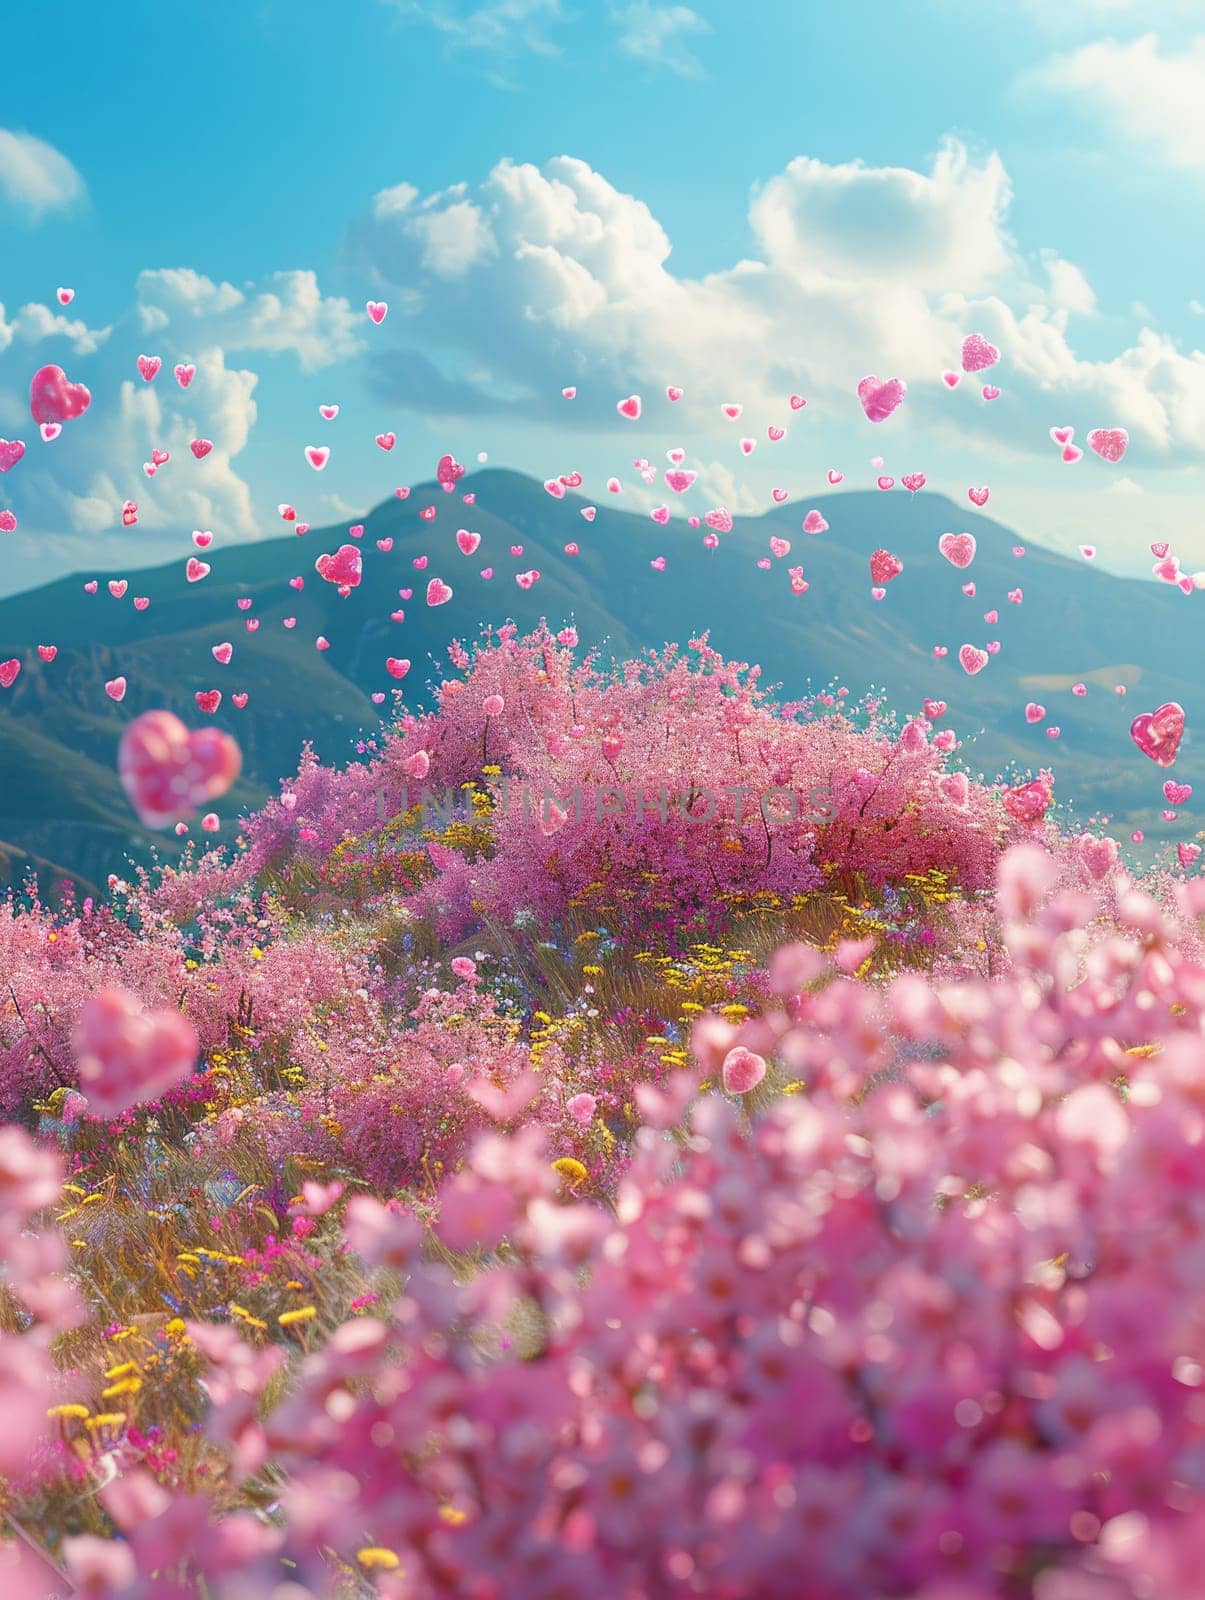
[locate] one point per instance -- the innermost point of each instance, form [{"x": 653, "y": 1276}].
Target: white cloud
[
  {"x": 1125, "y": 486},
  {"x": 455, "y": 237},
  {"x": 289, "y": 313},
  {"x": 390, "y": 201},
  {"x": 857, "y": 269},
  {"x": 36, "y": 177},
  {"x": 497, "y": 25},
  {"x": 1151, "y": 99},
  {"x": 660, "y": 35},
  {"x": 35, "y": 322}
]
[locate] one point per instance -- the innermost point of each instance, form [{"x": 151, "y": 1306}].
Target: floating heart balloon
[
  {"x": 1158, "y": 733},
  {"x": 344, "y": 567},
  {"x": 116, "y": 689},
  {"x": 630, "y": 408},
  {"x": 1109, "y": 443},
  {"x": 958, "y": 548},
  {"x": 814, "y": 523},
  {"x": 979, "y": 497},
  {"x": 185, "y": 372},
  {"x": 438, "y": 592},
  {"x": 148, "y": 367},
  {"x": 169, "y": 771},
  {"x": 377, "y": 311},
  {"x": 977, "y": 353},
  {"x": 201, "y": 448},
  {"x": 8, "y": 522},
  {"x": 396, "y": 668},
  {"x": 1177, "y": 794},
  {"x": 208, "y": 700},
  {"x": 126, "y": 1053},
  {"x": 9, "y": 671},
  {"x": 195, "y": 570},
  {"x": 973, "y": 659},
  {"x": 317, "y": 455},
  {"x": 884, "y": 566},
  {"x": 11, "y": 451},
  {"x": 1029, "y": 802},
  {"x": 54, "y": 398},
  {"x": 879, "y": 400}
]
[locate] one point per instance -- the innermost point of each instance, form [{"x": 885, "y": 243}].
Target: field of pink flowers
[{"x": 624, "y": 1138}]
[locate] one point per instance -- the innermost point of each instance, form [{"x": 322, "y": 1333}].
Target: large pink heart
[
  {"x": 1109, "y": 443},
  {"x": 54, "y": 398},
  {"x": 977, "y": 353},
  {"x": 168, "y": 770},
  {"x": 1158, "y": 733},
  {"x": 1029, "y": 802},
  {"x": 879, "y": 400},
  {"x": 127, "y": 1054},
  {"x": 345, "y": 567},
  {"x": 958, "y": 548}
]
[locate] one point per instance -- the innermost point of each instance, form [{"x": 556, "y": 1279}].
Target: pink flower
[
  {"x": 493, "y": 705},
  {"x": 582, "y": 1108}
]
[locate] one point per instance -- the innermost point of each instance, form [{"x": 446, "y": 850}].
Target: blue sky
[{"x": 756, "y": 192}]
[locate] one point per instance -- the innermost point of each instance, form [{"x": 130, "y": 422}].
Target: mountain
[{"x": 62, "y": 809}]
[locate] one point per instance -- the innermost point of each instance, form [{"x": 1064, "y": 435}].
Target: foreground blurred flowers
[{"x": 831, "y": 1227}]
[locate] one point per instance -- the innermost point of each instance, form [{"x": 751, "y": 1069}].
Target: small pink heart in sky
[
  {"x": 438, "y": 592},
  {"x": 778, "y": 495},
  {"x": 958, "y": 548},
  {"x": 658, "y": 563},
  {"x": 979, "y": 497},
  {"x": 222, "y": 653},
  {"x": 629, "y": 408},
  {"x": 1034, "y": 712},
  {"x": 377, "y": 310},
  {"x": 969, "y": 590},
  {"x": 672, "y": 392},
  {"x": 11, "y": 451},
  {"x": 116, "y": 689},
  {"x": 419, "y": 563},
  {"x": 1015, "y": 596},
  {"x": 879, "y": 400},
  {"x": 148, "y": 367},
  {"x": 8, "y": 522},
  {"x": 1109, "y": 443},
  {"x": 403, "y": 493},
  {"x": 386, "y": 441},
  {"x": 406, "y": 594},
  {"x": 797, "y": 402},
  {"x": 951, "y": 379},
  {"x": 195, "y": 570},
  {"x": 973, "y": 659},
  {"x": 569, "y": 394},
  {"x": 65, "y": 296},
  {"x": 185, "y": 372},
  {"x": 1088, "y": 551},
  {"x": 589, "y": 512},
  {"x": 834, "y": 476},
  {"x": 487, "y": 572},
  {"x": 990, "y": 392},
  {"x": 51, "y": 430},
  {"x": 977, "y": 353},
  {"x": 775, "y": 434},
  {"x": 993, "y": 647},
  {"x": 991, "y": 616},
  {"x": 1072, "y": 453},
  {"x": 1079, "y": 688},
  {"x": 91, "y": 586},
  {"x": 940, "y": 650},
  {"x": 1018, "y": 550},
  {"x": 328, "y": 413},
  {"x": 731, "y": 410},
  {"x": 428, "y": 513},
  {"x": 1062, "y": 435},
  {"x": 48, "y": 651},
  {"x": 202, "y": 447},
  {"x": 572, "y": 549},
  {"x": 885, "y": 483}
]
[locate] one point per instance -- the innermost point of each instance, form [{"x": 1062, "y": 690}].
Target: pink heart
[
  {"x": 377, "y": 697},
  {"x": 251, "y": 624},
  {"x": 290, "y": 622},
  {"x": 569, "y": 394},
  {"x": 8, "y": 672},
  {"x": 65, "y": 296},
  {"x": 814, "y": 523},
  {"x": 467, "y": 541},
  {"x": 116, "y": 688},
  {"x": 438, "y": 592},
  {"x": 185, "y": 372},
  {"x": 1080, "y": 689},
  {"x": 48, "y": 651},
  {"x": 1158, "y": 733},
  {"x": 385, "y": 440},
  {"x": 879, "y": 400},
  {"x": 8, "y": 522},
  {"x": 884, "y": 566},
  {"x": 296, "y": 583},
  {"x": 244, "y": 602},
  {"x": 403, "y": 494},
  {"x": 589, "y": 512},
  {"x": 195, "y": 570},
  {"x": 1071, "y": 453},
  {"x": 487, "y": 573},
  {"x": 958, "y": 548},
  {"x": 344, "y": 568},
  {"x": 328, "y": 413},
  {"x": 149, "y": 366},
  {"x": 835, "y": 476},
  {"x": 405, "y": 593},
  {"x": 797, "y": 402},
  {"x": 377, "y": 310},
  {"x": 385, "y": 545},
  {"x": 951, "y": 379},
  {"x": 1062, "y": 435},
  {"x": 168, "y": 771},
  {"x": 222, "y": 654},
  {"x": 977, "y": 353},
  {"x": 990, "y": 392},
  {"x": 1029, "y": 801},
  {"x": 1177, "y": 793},
  {"x": 658, "y": 563},
  {"x": 680, "y": 480},
  {"x": 428, "y": 513},
  {"x": 397, "y": 668},
  {"x": 629, "y": 408},
  {"x": 780, "y": 547},
  {"x": 969, "y": 590},
  {"x": 660, "y": 514},
  {"x": 940, "y": 650},
  {"x": 1109, "y": 443},
  {"x": 1159, "y": 549},
  {"x": 397, "y": 616},
  {"x": 240, "y": 700},
  {"x": 572, "y": 550},
  {"x": 1018, "y": 550},
  {"x": 11, "y": 451},
  {"x": 993, "y": 647},
  {"x": 555, "y": 488},
  {"x": 877, "y": 594},
  {"x": 526, "y": 579},
  {"x": 51, "y": 430},
  {"x": 778, "y": 496},
  {"x": 1034, "y": 712},
  {"x": 973, "y": 659},
  {"x": 53, "y": 398},
  {"x": 719, "y": 519},
  {"x": 91, "y": 586},
  {"x": 913, "y": 482},
  {"x": 978, "y": 497},
  {"x": 1016, "y": 596},
  {"x": 885, "y": 483},
  {"x": 118, "y": 587},
  {"x": 731, "y": 410},
  {"x": 201, "y": 448},
  {"x": 419, "y": 563},
  {"x": 322, "y": 643},
  {"x": 775, "y": 434},
  {"x": 1188, "y": 854},
  {"x": 991, "y": 616},
  {"x": 202, "y": 538},
  {"x": 317, "y": 455},
  {"x": 672, "y": 392},
  {"x": 127, "y": 1054}
]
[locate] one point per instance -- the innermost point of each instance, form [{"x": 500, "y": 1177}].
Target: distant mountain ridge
[{"x": 62, "y": 808}]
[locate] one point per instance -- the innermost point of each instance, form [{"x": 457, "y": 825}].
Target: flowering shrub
[{"x": 829, "y": 1223}]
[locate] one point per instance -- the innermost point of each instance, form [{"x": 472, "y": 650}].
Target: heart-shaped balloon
[
  {"x": 1158, "y": 733},
  {"x": 54, "y": 398},
  {"x": 169, "y": 771}
]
